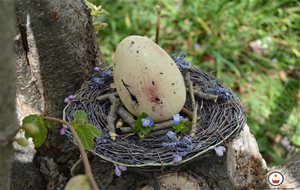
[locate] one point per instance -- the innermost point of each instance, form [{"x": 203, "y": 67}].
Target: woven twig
[{"x": 217, "y": 121}]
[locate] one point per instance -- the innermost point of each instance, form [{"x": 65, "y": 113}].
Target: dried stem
[
  {"x": 205, "y": 96},
  {"x": 187, "y": 112},
  {"x": 105, "y": 96},
  {"x": 194, "y": 121},
  {"x": 112, "y": 116},
  {"x": 194, "y": 105},
  {"x": 158, "y": 10},
  {"x": 86, "y": 163},
  {"x": 126, "y": 116},
  {"x": 75, "y": 166}
]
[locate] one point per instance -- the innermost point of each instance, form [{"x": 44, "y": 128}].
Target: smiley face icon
[{"x": 275, "y": 178}]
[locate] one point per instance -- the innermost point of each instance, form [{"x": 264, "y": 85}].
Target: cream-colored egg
[{"x": 147, "y": 79}]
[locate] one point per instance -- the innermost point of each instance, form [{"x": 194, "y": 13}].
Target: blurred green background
[{"x": 253, "y": 46}]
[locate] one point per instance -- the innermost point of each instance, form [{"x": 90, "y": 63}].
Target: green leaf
[
  {"x": 182, "y": 127},
  {"x": 139, "y": 129},
  {"x": 35, "y": 127},
  {"x": 94, "y": 130},
  {"x": 86, "y": 136},
  {"x": 80, "y": 117}
]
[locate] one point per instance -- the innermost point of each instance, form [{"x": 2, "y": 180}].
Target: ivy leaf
[
  {"x": 182, "y": 127},
  {"x": 139, "y": 129},
  {"x": 35, "y": 127},
  {"x": 80, "y": 117}
]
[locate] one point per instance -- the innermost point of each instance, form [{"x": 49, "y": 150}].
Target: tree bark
[
  {"x": 8, "y": 125},
  {"x": 56, "y": 51}
]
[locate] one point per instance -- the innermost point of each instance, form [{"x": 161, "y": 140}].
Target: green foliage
[
  {"x": 182, "y": 127},
  {"x": 139, "y": 129},
  {"x": 85, "y": 131},
  {"x": 22, "y": 141},
  {"x": 224, "y": 34},
  {"x": 35, "y": 127},
  {"x": 98, "y": 14}
]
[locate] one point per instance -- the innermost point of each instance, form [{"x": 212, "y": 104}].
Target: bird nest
[{"x": 220, "y": 118}]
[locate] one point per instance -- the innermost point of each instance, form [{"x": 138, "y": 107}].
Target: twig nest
[{"x": 147, "y": 79}]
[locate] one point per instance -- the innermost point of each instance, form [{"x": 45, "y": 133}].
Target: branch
[
  {"x": 86, "y": 163},
  {"x": 158, "y": 10}
]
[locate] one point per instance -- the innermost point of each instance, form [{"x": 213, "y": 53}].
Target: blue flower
[
  {"x": 177, "y": 118},
  {"x": 197, "y": 46},
  {"x": 274, "y": 60},
  {"x": 146, "y": 122}
]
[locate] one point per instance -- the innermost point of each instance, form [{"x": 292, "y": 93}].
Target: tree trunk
[
  {"x": 56, "y": 51},
  {"x": 8, "y": 125}
]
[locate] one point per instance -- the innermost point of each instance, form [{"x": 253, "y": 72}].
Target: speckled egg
[{"x": 147, "y": 79}]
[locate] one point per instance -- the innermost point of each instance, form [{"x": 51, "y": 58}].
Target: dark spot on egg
[
  {"x": 174, "y": 92},
  {"x": 141, "y": 82},
  {"x": 153, "y": 83},
  {"x": 146, "y": 68},
  {"x": 173, "y": 83},
  {"x": 137, "y": 52},
  {"x": 157, "y": 99},
  {"x": 114, "y": 64},
  {"x": 132, "y": 42},
  {"x": 161, "y": 73},
  {"x": 171, "y": 63}
]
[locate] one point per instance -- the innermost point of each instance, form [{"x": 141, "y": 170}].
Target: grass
[{"x": 216, "y": 36}]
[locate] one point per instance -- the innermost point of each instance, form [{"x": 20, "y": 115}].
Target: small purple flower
[
  {"x": 146, "y": 122},
  {"x": 220, "y": 150},
  {"x": 97, "y": 69},
  {"x": 177, "y": 159},
  {"x": 122, "y": 168},
  {"x": 177, "y": 118},
  {"x": 197, "y": 46},
  {"x": 62, "y": 131},
  {"x": 274, "y": 60},
  {"x": 185, "y": 65},
  {"x": 118, "y": 172},
  {"x": 71, "y": 97},
  {"x": 67, "y": 100}
]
